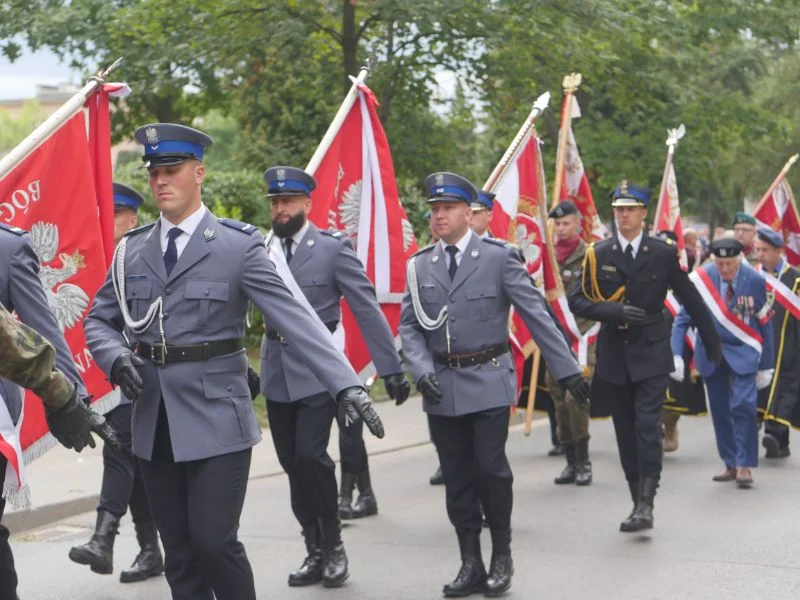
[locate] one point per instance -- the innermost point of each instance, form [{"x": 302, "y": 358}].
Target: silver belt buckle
[
  {"x": 453, "y": 362},
  {"x": 158, "y": 354}
]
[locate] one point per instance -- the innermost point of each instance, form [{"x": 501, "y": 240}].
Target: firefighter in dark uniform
[{"x": 623, "y": 285}]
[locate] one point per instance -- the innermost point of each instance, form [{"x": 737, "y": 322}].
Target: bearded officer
[
  {"x": 185, "y": 282},
  {"x": 454, "y": 327},
  {"x": 122, "y": 486},
  {"x": 737, "y": 296},
  {"x": 482, "y": 214},
  {"x": 779, "y": 400},
  {"x": 324, "y": 268},
  {"x": 624, "y": 282}
]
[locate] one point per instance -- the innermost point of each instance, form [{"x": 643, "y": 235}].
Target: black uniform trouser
[
  {"x": 352, "y": 450},
  {"x": 301, "y": 431},
  {"x": 637, "y": 424},
  {"x": 122, "y": 479},
  {"x": 196, "y": 506},
  {"x": 8, "y": 574},
  {"x": 472, "y": 452}
]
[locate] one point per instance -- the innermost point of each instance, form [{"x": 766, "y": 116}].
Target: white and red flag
[
  {"x": 357, "y": 193},
  {"x": 63, "y": 198},
  {"x": 668, "y": 209},
  {"x": 778, "y": 211},
  {"x": 575, "y": 186}
]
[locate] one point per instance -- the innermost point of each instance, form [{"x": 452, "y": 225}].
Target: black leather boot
[
  {"x": 502, "y": 567},
  {"x": 98, "y": 553},
  {"x": 149, "y": 562},
  {"x": 583, "y": 466},
  {"x": 334, "y": 558},
  {"x": 366, "y": 505},
  {"x": 568, "y": 474},
  {"x": 310, "y": 572},
  {"x": 642, "y": 516},
  {"x": 471, "y": 577},
  {"x": 346, "y": 488},
  {"x": 633, "y": 486}
]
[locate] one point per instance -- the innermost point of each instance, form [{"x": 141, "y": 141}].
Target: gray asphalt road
[{"x": 711, "y": 540}]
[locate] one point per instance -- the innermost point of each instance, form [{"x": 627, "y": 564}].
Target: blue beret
[
  {"x": 771, "y": 237},
  {"x": 449, "y": 187},
  {"x": 126, "y": 197},
  {"x": 288, "y": 181},
  {"x": 629, "y": 194},
  {"x": 171, "y": 144},
  {"x": 742, "y": 218},
  {"x": 562, "y": 209},
  {"x": 485, "y": 201},
  {"x": 726, "y": 248}
]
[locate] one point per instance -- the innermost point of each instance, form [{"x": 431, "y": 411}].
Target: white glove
[
  {"x": 680, "y": 369},
  {"x": 764, "y": 378}
]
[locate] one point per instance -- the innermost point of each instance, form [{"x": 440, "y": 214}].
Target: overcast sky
[{"x": 19, "y": 79}]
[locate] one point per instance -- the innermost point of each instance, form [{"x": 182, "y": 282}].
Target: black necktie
[
  {"x": 629, "y": 254},
  {"x": 288, "y": 251},
  {"x": 171, "y": 255},
  {"x": 452, "y": 250}
]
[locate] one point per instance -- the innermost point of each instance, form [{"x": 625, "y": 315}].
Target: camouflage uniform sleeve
[{"x": 28, "y": 360}]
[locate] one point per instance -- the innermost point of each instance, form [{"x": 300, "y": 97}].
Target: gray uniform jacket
[
  {"x": 326, "y": 268},
  {"x": 21, "y": 291},
  {"x": 205, "y": 299},
  {"x": 488, "y": 281}
]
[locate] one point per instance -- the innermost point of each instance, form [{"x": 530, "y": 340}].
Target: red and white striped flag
[
  {"x": 668, "y": 217},
  {"x": 778, "y": 211},
  {"x": 357, "y": 193},
  {"x": 575, "y": 187}
]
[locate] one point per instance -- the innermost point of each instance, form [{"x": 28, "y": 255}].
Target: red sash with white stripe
[
  {"x": 674, "y": 307},
  {"x": 735, "y": 326},
  {"x": 580, "y": 341},
  {"x": 783, "y": 294}
]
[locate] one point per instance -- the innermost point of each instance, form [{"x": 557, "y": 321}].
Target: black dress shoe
[
  {"x": 310, "y": 572},
  {"x": 770, "y": 442},
  {"x": 436, "y": 478},
  {"x": 471, "y": 577}
]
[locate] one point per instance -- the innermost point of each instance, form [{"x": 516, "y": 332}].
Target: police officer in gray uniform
[
  {"x": 301, "y": 410},
  {"x": 122, "y": 484},
  {"x": 21, "y": 291},
  {"x": 179, "y": 288},
  {"x": 454, "y": 327}
]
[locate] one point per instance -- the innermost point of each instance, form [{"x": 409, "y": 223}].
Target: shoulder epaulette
[
  {"x": 664, "y": 240},
  {"x": 495, "y": 241},
  {"x": 332, "y": 233},
  {"x": 238, "y": 225},
  {"x": 425, "y": 249},
  {"x": 13, "y": 229},
  {"x": 138, "y": 230}
]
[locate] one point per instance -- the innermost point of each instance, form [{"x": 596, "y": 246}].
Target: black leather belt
[
  {"x": 459, "y": 361},
  {"x": 164, "y": 355},
  {"x": 649, "y": 320},
  {"x": 273, "y": 334}
]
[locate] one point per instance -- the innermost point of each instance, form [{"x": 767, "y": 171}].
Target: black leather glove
[
  {"x": 354, "y": 403},
  {"x": 633, "y": 315},
  {"x": 125, "y": 374},
  {"x": 253, "y": 382},
  {"x": 397, "y": 387},
  {"x": 428, "y": 386},
  {"x": 714, "y": 351},
  {"x": 578, "y": 387},
  {"x": 73, "y": 423}
]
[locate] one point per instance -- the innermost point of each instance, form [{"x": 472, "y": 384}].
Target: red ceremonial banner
[
  {"x": 779, "y": 212},
  {"x": 51, "y": 194}
]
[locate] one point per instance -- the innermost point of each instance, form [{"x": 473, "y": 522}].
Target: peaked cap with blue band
[
  {"x": 126, "y": 197},
  {"x": 771, "y": 237},
  {"x": 630, "y": 194},
  {"x": 485, "y": 201},
  {"x": 170, "y": 144},
  {"x": 288, "y": 181},
  {"x": 449, "y": 187}
]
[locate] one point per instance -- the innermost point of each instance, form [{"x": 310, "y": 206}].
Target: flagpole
[
  {"x": 537, "y": 109},
  {"x": 673, "y": 137},
  {"x": 338, "y": 120},
  {"x": 571, "y": 83},
  {"x": 777, "y": 181},
  {"x": 68, "y": 110}
]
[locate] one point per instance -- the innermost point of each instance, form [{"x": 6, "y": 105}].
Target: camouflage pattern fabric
[{"x": 28, "y": 360}]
